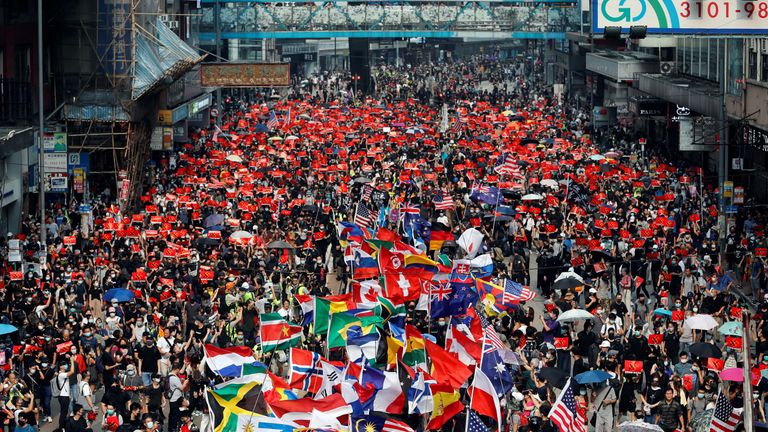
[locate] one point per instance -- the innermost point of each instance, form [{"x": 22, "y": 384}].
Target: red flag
[
  {"x": 761, "y": 252},
  {"x": 17, "y": 275},
  {"x": 206, "y": 274},
  {"x": 446, "y": 366},
  {"x": 736, "y": 312},
  {"x": 678, "y": 315},
  {"x": 733, "y": 342},
  {"x": 655, "y": 339},
  {"x": 139, "y": 275},
  {"x": 70, "y": 240},
  {"x": 715, "y": 364},
  {"x": 633, "y": 366},
  {"x": 561, "y": 342},
  {"x": 63, "y": 347}
]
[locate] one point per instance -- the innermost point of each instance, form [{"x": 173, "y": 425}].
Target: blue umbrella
[
  {"x": 591, "y": 377},
  {"x": 7, "y": 329},
  {"x": 120, "y": 294},
  {"x": 662, "y": 311}
]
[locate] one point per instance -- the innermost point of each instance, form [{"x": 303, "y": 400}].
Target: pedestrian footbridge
[{"x": 494, "y": 19}]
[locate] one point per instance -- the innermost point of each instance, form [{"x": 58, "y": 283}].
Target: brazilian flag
[{"x": 342, "y": 322}]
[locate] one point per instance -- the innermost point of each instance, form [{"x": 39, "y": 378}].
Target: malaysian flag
[
  {"x": 272, "y": 122},
  {"x": 515, "y": 293},
  {"x": 507, "y": 165},
  {"x": 725, "y": 417},
  {"x": 443, "y": 201},
  {"x": 365, "y": 195},
  {"x": 565, "y": 414},
  {"x": 363, "y": 216},
  {"x": 458, "y": 124}
]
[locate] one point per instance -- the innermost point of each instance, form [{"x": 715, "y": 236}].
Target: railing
[{"x": 16, "y": 101}]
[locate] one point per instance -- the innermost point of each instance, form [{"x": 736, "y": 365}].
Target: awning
[
  {"x": 15, "y": 139},
  {"x": 96, "y": 105},
  {"x": 694, "y": 94},
  {"x": 620, "y": 66},
  {"x": 160, "y": 55}
]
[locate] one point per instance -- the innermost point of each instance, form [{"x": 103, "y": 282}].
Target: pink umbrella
[{"x": 733, "y": 374}]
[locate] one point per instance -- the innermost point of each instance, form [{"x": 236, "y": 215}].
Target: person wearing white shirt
[{"x": 61, "y": 383}]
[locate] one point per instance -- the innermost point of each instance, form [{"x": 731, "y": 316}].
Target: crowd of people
[{"x": 242, "y": 218}]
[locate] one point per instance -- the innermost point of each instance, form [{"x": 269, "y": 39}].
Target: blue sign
[
  {"x": 78, "y": 160},
  {"x": 731, "y": 209},
  {"x": 84, "y": 208}
]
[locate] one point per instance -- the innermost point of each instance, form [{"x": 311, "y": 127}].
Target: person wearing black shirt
[
  {"x": 77, "y": 422},
  {"x": 155, "y": 397},
  {"x": 148, "y": 356}
]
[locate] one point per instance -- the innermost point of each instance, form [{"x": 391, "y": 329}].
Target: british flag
[{"x": 443, "y": 201}]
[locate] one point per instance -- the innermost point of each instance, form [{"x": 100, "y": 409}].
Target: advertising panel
[{"x": 245, "y": 74}]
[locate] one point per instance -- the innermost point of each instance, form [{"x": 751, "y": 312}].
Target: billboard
[
  {"x": 114, "y": 37},
  {"x": 723, "y": 17},
  {"x": 245, "y": 74}
]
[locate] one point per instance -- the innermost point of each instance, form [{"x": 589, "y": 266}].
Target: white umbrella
[
  {"x": 550, "y": 183},
  {"x": 569, "y": 274},
  {"x": 597, "y": 157},
  {"x": 639, "y": 426},
  {"x": 291, "y": 138},
  {"x": 574, "y": 315},
  {"x": 241, "y": 234},
  {"x": 234, "y": 158},
  {"x": 701, "y": 322},
  {"x": 532, "y": 197}
]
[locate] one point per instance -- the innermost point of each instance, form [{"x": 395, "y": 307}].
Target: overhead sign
[
  {"x": 301, "y": 48},
  {"x": 682, "y": 17},
  {"x": 245, "y": 75}
]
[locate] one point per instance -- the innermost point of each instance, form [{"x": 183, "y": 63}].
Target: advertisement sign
[
  {"x": 245, "y": 74},
  {"x": 721, "y": 17},
  {"x": 686, "y": 135},
  {"x": 14, "y": 250},
  {"x": 55, "y": 162},
  {"x": 55, "y": 142},
  {"x": 125, "y": 186},
  {"x": 78, "y": 180},
  {"x": 113, "y": 36},
  {"x": 78, "y": 160},
  {"x": 727, "y": 189},
  {"x": 738, "y": 195},
  {"x": 737, "y": 164},
  {"x": 56, "y": 182}
]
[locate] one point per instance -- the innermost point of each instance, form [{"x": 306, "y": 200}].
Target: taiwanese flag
[
  {"x": 655, "y": 339},
  {"x": 733, "y": 342}
]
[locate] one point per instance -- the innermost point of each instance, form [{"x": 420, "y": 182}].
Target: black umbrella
[
  {"x": 208, "y": 241},
  {"x": 567, "y": 283},
  {"x": 527, "y": 141},
  {"x": 601, "y": 254},
  {"x": 556, "y": 377},
  {"x": 310, "y": 208},
  {"x": 705, "y": 350},
  {"x": 279, "y": 244}
]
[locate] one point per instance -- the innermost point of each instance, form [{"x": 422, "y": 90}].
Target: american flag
[
  {"x": 458, "y": 124},
  {"x": 491, "y": 337},
  {"x": 365, "y": 195},
  {"x": 363, "y": 216},
  {"x": 564, "y": 413},
  {"x": 272, "y": 122},
  {"x": 392, "y": 425},
  {"x": 515, "y": 293},
  {"x": 474, "y": 424},
  {"x": 443, "y": 201},
  {"x": 506, "y": 164},
  {"x": 725, "y": 417}
]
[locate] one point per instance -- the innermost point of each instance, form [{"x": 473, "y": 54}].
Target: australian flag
[{"x": 490, "y": 195}]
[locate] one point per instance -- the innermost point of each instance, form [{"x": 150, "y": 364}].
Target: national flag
[
  {"x": 307, "y": 304},
  {"x": 232, "y": 361},
  {"x": 463, "y": 295},
  {"x": 415, "y": 354},
  {"x": 365, "y": 194},
  {"x": 726, "y": 417},
  {"x": 468, "y": 350},
  {"x": 458, "y": 124},
  {"x": 237, "y": 403},
  {"x": 490, "y": 195},
  {"x": 364, "y": 266},
  {"x": 447, "y": 403},
  {"x": 420, "y": 399},
  {"x": 507, "y": 165},
  {"x": 364, "y": 217},
  {"x": 446, "y": 366},
  {"x": 391, "y": 261},
  {"x": 516, "y": 293},
  {"x": 372, "y": 423},
  {"x": 287, "y": 119},
  {"x": 277, "y": 333},
  {"x": 342, "y": 322},
  {"x": 440, "y": 294},
  {"x": 300, "y": 411},
  {"x": 367, "y": 292},
  {"x": 332, "y": 376},
  {"x": 389, "y": 398},
  {"x": 483, "y": 397},
  {"x": 394, "y": 309},
  {"x": 325, "y": 306},
  {"x": 565, "y": 414},
  {"x": 471, "y": 241},
  {"x": 306, "y": 370},
  {"x": 272, "y": 121},
  {"x": 405, "y": 284},
  {"x": 443, "y": 201},
  {"x": 362, "y": 345},
  {"x": 348, "y": 231},
  {"x": 438, "y": 237},
  {"x": 481, "y": 266},
  {"x": 475, "y": 424},
  {"x": 421, "y": 262},
  {"x": 494, "y": 368}
]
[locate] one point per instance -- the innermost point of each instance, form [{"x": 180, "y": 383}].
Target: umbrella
[
  {"x": 731, "y": 328},
  {"x": 663, "y": 312},
  {"x": 701, "y": 322},
  {"x": 601, "y": 254},
  {"x": 567, "y": 283},
  {"x": 591, "y": 377},
  {"x": 574, "y": 315},
  {"x": 639, "y": 426},
  {"x": 291, "y": 138},
  {"x": 501, "y": 218},
  {"x": 706, "y": 350},
  {"x": 214, "y": 219},
  {"x": 120, "y": 294},
  {"x": 612, "y": 155},
  {"x": 556, "y": 377},
  {"x": 569, "y": 274},
  {"x": 279, "y": 244},
  {"x": 532, "y": 197},
  {"x": 234, "y": 158},
  {"x": 597, "y": 157},
  {"x": 240, "y": 234},
  {"x": 207, "y": 241},
  {"x": 275, "y": 138},
  {"x": 550, "y": 183},
  {"x": 7, "y": 329},
  {"x": 261, "y": 127},
  {"x": 310, "y": 208},
  {"x": 733, "y": 374},
  {"x": 362, "y": 180},
  {"x": 700, "y": 422}
]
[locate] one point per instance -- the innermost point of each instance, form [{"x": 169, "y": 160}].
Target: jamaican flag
[{"x": 238, "y": 405}]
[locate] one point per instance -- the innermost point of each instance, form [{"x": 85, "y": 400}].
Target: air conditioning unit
[{"x": 667, "y": 67}]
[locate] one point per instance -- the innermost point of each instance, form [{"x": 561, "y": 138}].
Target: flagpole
[
  {"x": 474, "y": 378},
  {"x": 748, "y": 423}
]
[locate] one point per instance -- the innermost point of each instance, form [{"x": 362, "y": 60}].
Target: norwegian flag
[
  {"x": 363, "y": 216},
  {"x": 272, "y": 122},
  {"x": 725, "y": 417},
  {"x": 365, "y": 195},
  {"x": 515, "y": 293},
  {"x": 443, "y": 201},
  {"x": 507, "y": 165}
]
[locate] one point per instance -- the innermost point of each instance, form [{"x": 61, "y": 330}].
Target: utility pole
[
  {"x": 217, "y": 23},
  {"x": 746, "y": 343},
  {"x": 722, "y": 170},
  {"x": 41, "y": 126}
]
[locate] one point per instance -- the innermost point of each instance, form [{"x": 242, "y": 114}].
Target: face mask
[
  {"x": 112, "y": 314},
  {"x": 700, "y": 395},
  {"x": 441, "y": 323},
  {"x": 140, "y": 324},
  {"x": 677, "y": 305},
  {"x": 73, "y": 351},
  {"x": 131, "y": 373},
  {"x": 87, "y": 334},
  {"x": 41, "y": 327},
  {"x": 44, "y": 365},
  {"x": 683, "y": 361},
  {"x": 582, "y": 392},
  {"x": 755, "y": 395},
  {"x": 110, "y": 412},
  {"x": 637, "y": 334},
  {"x": 150, "y": 425},
  {"x": 666, "y": 363}
]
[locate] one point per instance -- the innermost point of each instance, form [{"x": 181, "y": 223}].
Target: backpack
[{"x": 55, "y": 387}]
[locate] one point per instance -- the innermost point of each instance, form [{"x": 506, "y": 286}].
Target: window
[
  {"x": 752, "y": 64},
  {"x": 764, "y": 61}
]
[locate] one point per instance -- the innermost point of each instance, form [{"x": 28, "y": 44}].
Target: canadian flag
[{"x": 367, "y": 292}]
